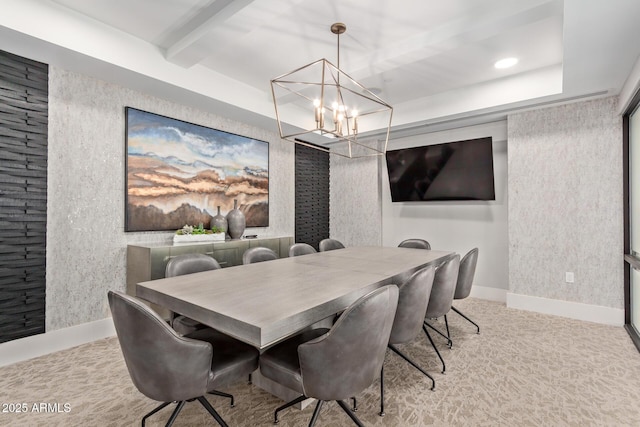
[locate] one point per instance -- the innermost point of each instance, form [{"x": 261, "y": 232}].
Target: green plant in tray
[
  {"x": 199, "y": 229},
  {"x": 216, "y": 230}
]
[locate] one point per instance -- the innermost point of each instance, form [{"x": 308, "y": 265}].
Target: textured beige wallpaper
[
  {"x": 355, "y": 210},
  {"x": 565, "y": 203},
  {"x": 86, "y": 242}
]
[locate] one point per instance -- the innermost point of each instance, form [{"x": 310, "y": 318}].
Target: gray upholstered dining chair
[
  {"x": 330, "y": 244},
  {"x": 167, "y": 367},
  {"x": 301, "y": 249},
  {"x": 441, "y": 299},
  {"x": 258, "y": 254},
  {"x": 188, "y": 264},
  {"x": 412, "y": 307},
  {"x": 415, "y": 243},
  {"x": 336, "y": 363},
  {"x": 465, "y": 281}
]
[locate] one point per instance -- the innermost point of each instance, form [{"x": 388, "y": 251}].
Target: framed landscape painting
[{"x": 179, "y": 173}]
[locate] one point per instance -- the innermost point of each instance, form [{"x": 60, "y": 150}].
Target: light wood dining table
[{"x": 264, "y": 303}]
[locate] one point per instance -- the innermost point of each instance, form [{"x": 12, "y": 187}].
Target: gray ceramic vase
[
  {"x": 236, "y": 221},
  {"x": 219, "y": 221}
]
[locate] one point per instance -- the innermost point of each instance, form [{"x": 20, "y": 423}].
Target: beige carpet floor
[{"x": 524, "y": 369}]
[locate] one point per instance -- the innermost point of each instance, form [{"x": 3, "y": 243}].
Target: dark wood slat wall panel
[
  {"x": 24, "y": 88},
  {"x": 312, "y": 195}
]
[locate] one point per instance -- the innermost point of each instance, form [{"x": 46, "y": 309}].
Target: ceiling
[{"x": 432, "y": 60}]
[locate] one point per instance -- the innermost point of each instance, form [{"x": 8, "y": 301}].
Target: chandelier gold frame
[{"x": 329, "y": 110}]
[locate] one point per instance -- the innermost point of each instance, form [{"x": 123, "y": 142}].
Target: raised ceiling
[{"x": 431, "y": 59}]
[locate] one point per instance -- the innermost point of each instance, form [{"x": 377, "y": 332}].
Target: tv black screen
[{"x": 461, "y": 170}]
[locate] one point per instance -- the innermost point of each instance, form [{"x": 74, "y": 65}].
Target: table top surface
[{"x": 265, "y": 302}]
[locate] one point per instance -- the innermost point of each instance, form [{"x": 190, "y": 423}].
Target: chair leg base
[
  {"x": 316, "y": 412},
  {"x": 227, "y": 395},
  {"x": 345, "y": 408},
  {"x": 467, "y": 319},
  {"x": 412, "y": 363},
  {"x": 426, "y": 331},
  {"x": 449, "y": 342},
  {"x": 381, "y": 413},
  {"x": 204, "y": 402},
  {"x": 212, "y": 411},
  {"x": 175, "y": 413},
  {"x": 353, "y": 417},
  {"x": 287, "y": 405},
  {"x": 446, "y": 324},
  {"x": 158, "y": 408}
]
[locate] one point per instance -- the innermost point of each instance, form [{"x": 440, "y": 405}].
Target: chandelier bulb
[{"x": 319, "y": 113}]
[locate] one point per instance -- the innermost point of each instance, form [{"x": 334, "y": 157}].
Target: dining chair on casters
[
  {"x": 167, "y": 367},
  {"x": 441, "y": 299},
  {"x": 412, "y": 306},
  {"x": 188, "y": 264},
  {"x": 298, "y": 249},
  {"x": 337, "y": 363},
  {"x": 415, "y": 244},
  {"x": 258, "y": 254},
  {"x": 465, "y": 281},
  {"x": 330, "y": 245}
]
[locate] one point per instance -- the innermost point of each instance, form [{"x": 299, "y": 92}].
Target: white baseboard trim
[
  {"x": 61, "y": 339},
  {"x": 572, "y": 310},
  {"x": 491, "y": 294}
]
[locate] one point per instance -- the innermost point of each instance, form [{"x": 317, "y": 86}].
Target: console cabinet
[{"x": 148, "y": 262}]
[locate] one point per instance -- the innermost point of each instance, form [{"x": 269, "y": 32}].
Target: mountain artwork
[{"x": 179, "y": 173}]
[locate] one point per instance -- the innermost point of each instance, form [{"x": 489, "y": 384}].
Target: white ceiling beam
[{"x": 180, "y": 52}]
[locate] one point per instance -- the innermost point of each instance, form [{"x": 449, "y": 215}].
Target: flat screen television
[{"x": 461, "y": 170}]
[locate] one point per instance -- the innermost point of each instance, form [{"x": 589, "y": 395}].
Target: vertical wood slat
[
  {"x": 312, "y": 195},
  {"x": 23, "y": 195}
]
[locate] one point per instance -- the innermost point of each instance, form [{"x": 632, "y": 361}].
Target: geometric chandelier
[{"x": 320, "y": 106}]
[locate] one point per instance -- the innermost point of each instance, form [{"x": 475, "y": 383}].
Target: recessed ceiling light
[{"x": 506, "y": 63}]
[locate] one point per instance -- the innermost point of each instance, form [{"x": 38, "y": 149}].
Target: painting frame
[{"x": 181, "y": 173}]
